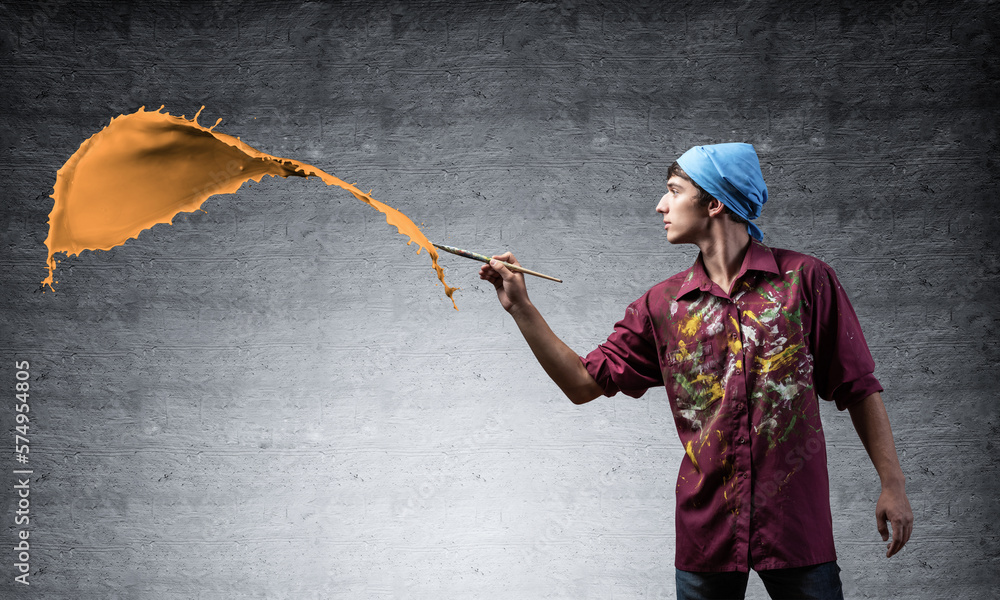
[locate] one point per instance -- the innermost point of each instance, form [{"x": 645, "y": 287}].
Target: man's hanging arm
[{"x": 872, "y": 424}]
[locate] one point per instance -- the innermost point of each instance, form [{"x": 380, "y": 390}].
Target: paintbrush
[{"x": 486, "y": 259}]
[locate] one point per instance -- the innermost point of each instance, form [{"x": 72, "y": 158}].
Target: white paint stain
[{"x": 691, "y": 415}]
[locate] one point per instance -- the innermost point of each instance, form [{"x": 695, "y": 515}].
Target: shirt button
[
  {"x": 739, "y": 407},
  {"x": 734, "y": 335},
  {"x": 743, "y": 475},
  {"x": 742, "y": 440},
  {"x": 705, "y": 287}
]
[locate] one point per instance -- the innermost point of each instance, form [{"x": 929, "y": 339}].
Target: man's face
[{"x": 683, "y": 218}]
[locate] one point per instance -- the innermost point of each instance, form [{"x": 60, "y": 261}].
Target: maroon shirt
[{"x": 742, "y": 374}]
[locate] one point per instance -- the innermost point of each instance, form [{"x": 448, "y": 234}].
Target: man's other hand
[{"x": 893, "y": 509}]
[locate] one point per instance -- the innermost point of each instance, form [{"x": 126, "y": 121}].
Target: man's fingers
[
  {"x": 507, "y": 257},
  {"x": 894, "y": 545},
  {"x": 501, "y": 269},
  {"x": 901, "y": 530},
  {"x": 489, "y": 275},
  {"x": 902, "y": 527},
  {"x": 880, "y": 523}
]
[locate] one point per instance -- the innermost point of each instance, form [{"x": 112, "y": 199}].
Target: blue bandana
[{"x": 731, "y": 173}]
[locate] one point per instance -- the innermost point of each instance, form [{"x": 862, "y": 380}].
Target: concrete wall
[{"x": 273, "y": 399}]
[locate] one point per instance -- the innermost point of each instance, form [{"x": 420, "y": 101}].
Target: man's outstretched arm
[
  {"x": 561, "y": 364},
  {"x": 872, "y": 424}
]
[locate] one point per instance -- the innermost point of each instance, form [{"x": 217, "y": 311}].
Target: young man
[{"x": 744, "y": 342}]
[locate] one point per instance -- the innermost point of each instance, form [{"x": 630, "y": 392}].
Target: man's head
[
  {"x": 688, "y": 210},
  {"x": 728, "y": 173},
  {"x": 703, "y": 197}
]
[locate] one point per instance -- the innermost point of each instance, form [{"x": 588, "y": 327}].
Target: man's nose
[{"x": 661, "y": 206}]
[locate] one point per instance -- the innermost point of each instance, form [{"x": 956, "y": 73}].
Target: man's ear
[{"x": 715, "y": 207}]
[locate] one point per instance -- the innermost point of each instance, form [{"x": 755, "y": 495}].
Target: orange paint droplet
[{"x": 147, "y": 167}]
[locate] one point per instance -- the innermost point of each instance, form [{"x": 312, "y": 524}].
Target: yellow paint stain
[
  {"x": 682, "y": 353},
  {"x": 690, "y": 325},
  {"x": 690, "y": 452},
  {"x": 147, "y": 167},
  {"x": 712, "y": 387},
  {"x": 773, "y": 363},
  {"x": 735, "y": 344},
  {"x": 722, "y": 443},
  {"x": 706, "y": 440},
  {"x": 750, "y": 315}
]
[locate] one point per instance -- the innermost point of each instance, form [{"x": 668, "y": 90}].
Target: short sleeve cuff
[
  {"x": 602, "y": 369},
  {"x": 855, "y": 391}
]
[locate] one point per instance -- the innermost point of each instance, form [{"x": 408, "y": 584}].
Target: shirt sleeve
[
  {"x": 627, "y": 362},
  {"x": 843, "y": 367}
]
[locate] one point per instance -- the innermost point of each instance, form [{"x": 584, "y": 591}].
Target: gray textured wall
[{"x": 273, "y": 399}]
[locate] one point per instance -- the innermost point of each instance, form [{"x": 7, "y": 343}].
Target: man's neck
[{"x": 722, "y": 254}]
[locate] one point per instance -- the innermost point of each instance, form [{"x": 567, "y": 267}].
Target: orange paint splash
[{"x": 147, "y": 167}]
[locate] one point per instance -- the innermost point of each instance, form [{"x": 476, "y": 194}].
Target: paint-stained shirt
[{"x": 743, "y": 371}]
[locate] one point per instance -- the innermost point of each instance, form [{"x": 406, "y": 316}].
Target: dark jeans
[{"x": 817, "y": 582}]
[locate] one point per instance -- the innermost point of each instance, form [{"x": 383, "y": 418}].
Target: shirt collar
[{"x": 758, "y": 258}]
